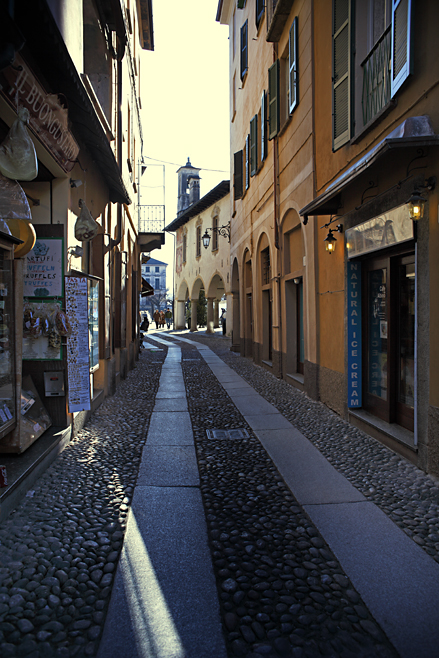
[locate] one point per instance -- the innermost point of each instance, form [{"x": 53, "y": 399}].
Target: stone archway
[
  {"x": 247, "y": 348},
  {"x": 180, "y": 311},
  {"x": 214, "y": 295},
  {"x": 195, "y": 295}
]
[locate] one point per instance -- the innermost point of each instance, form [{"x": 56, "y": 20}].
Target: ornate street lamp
[{"x": 224, "y": 231}]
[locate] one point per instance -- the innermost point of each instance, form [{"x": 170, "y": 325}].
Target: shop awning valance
[
  {"x": 414, "y": 132},
  {"x": 147, "y": 289}
]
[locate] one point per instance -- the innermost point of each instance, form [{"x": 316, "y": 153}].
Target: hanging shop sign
[
  {"x": 354, "y": 333},
  {"x": 48, "y": 118},
  {"x": 43, "y": 275},
  {"x": 388, "y": 229},
  {"x": 78, "y": 348}
]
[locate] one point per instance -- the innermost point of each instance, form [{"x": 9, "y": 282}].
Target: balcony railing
[
  {"x": 151, "y": 219},
  {"x": 376, "y": 77}
]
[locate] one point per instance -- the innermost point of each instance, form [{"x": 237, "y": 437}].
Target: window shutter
[
  {"x": 292, "y": 66},
  {"x": 260, "y": 8},
  {"x": 237, "y": 175},
  {"x": 247, "y": 162},
  {"x": 273, "y": 100},
  {"x": 244, "y": 49},
  {"x": 341, "y": 68},
  {"x": 263, "y": 126},
  {"x": 254, "y": 145},
  {"x": 401, "y": 59}
]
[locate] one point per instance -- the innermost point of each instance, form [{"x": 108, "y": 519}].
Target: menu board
[
  {"x": 43, "y": 275},
  {"x": 78, "y": 349}
]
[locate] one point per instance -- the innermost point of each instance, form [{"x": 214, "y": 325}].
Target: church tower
[{"x": 188, "y": 187}]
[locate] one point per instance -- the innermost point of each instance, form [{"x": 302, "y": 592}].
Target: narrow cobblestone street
[{"x": 280, "y": 588}]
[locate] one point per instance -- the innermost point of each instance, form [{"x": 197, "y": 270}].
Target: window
[
  {"x": 233, "y": 96},
  {"x": 259, "y": 12},
  {"x": 341, "y": 72},
  {"x": 215, "y": 233},
  {"x": 247, "y": 162},
  {"x": 292, "y": 67},
  {"x": 263, "y": 133},
  {"x": 254, "y": 145},
  {"x": 147, "y": 268},
  {"x": 157, "y": 269},
  {"x": 198, "y": 243},
  {"x": 241, "y": 4},
  {"x": 184, "y": 247},
  {"x": 273, "y": 100},
  {"x": 157, "y": 284},
  {"x": 401, "y": 60},
  {"x": 244, "y": 49},
  {"x": 237, "y": 175}
]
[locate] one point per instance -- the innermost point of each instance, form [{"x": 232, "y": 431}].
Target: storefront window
[
  {"x": 93, "y": 323},
  {"x": 377, "y": 303},
  {"x": 7, "y": 366},
  {"x": 406, "y": 347}
]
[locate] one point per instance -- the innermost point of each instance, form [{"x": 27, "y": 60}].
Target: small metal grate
[{"x": 221, "y": 435}]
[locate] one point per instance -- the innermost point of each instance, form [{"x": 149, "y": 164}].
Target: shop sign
[
  {"x": 354, "y": 334},
  {"x": 48, "y": 119},
  {"x": 43, "y": 275},
  {"x": 388, "y": 229},
  {"x": 78, "y": 347}
]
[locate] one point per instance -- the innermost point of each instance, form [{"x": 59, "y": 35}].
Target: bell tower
[{"x": 188, "y": 187}]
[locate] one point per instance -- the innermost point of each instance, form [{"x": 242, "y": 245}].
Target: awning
[
  {"x": 147, "y": 289},
  {"x": 414, "y": 132}
]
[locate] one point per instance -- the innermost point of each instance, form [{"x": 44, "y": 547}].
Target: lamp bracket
[
  {"x": 371, "y": 186},
  {"x": 421, "y": 154},
  {"x": 224, "y": 231}
]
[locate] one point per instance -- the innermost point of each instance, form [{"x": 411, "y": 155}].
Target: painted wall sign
[
  {"x": 48, "y": 118},
  {"x": 354, "y": 334},
  {"x": 78, "y": 348},
  {"x": 43, "y": 276}
]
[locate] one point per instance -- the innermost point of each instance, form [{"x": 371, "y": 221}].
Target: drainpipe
[
  {"x": 114, "y": 243},
  {"x": 276, "y": 233}
]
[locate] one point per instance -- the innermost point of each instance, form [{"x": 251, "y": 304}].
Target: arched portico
[
  {"x": 195, "y": 295},
  {"x": 215, "y": 292},
  {"x": 182, "y": 297}
]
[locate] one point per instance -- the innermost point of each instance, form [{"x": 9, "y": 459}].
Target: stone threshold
[{"x": 394, "y": 436}]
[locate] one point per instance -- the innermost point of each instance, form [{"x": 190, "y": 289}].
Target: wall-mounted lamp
[
  {"x": 331, "y": 239},
  {"x": 222, "y": 230},
  {"x": 75, "y": 182},
  {"x": 297, "y": 280},
  {"x": 416, "y": 203}
]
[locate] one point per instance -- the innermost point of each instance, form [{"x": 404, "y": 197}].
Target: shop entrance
[{"x": 389, "y": 338}]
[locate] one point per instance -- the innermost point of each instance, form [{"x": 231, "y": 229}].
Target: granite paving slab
[
  {"x": 168, "y": 466},
  {"x": 170, "y": 429}
]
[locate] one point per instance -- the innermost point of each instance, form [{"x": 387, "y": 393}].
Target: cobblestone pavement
[
  {"x": 406, "y": 494},
  {"x": 281, "y": 591}
]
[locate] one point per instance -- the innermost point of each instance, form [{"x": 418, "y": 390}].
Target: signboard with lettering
[
  {"x": 354, "y": 333},
  {"x": 48, "y": 118},
  {"x": 78, "y": 346},
  {"x": 44, "y": 271}
]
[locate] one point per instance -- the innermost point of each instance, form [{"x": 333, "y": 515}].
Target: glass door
[{"x": 405, "y": 348}]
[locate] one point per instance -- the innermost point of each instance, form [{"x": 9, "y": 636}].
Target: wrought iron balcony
[
  {"x": 376, "y": 77},
  {"x": 151, "y": 219}
]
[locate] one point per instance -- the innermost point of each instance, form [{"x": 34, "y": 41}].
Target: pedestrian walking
[
  {"x": 145, "y": 324},
  {"x": 156, "y": 317},
  {"x": 223, "y": 320},
  {"x": 168, "y": 317}
]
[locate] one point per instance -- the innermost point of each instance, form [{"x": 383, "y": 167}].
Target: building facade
[
  {"x": 154, "y": 273},
  {"x": 334, "y": 135},
  {"x": 202, "y": 258},
  {"x": 71, "y": 71}
]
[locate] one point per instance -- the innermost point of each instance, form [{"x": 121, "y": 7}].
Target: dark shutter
[
  {"x": 247, "y": 162},
  {"x": 259, "y": 11},
  {"x": 273, "y": 100},
  {"x": 254, "y": 145},
  {"x": 293, "y": 78},
  {"x": 244, "y": 49},
  {"x": 263, "y": 126},
  {"x": 237, "y": 175},
  {"x": 241, "y": 4},
  {"x": 401, "y": 59},
  {"x": 341, "y": 67}
]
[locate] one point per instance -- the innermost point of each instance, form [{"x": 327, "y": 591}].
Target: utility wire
[{"x": 176, "y": 164}]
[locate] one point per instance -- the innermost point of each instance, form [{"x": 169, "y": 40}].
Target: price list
[{"x": 78, "y": 351}]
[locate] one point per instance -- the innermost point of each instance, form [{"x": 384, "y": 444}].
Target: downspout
[
  {"x": 276, "y": 233},
  {"x": 114, "y": 243}
]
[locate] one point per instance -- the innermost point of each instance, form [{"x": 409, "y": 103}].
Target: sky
[{"x": 185, "y": 103}]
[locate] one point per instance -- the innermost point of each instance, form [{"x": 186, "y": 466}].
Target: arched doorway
[
  {"x": 248, "y": 305},
  {"x": 236, "y": 320},
  {"x": 180, "y": 311},
  {"x": 293, "y": 251},
  {"x": 266, "y": 291},
  {"x": 215, "y": 293}
]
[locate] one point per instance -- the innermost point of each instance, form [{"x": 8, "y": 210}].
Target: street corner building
[
  {"x": 334, "y": 134},
  {"x": 70, "y": 246}
]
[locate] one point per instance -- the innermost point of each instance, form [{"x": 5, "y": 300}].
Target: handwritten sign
[
  {"x": 44, "y": 269},
  {"x": 354, "y": 334},
  {"x": 78, "y": 349}
]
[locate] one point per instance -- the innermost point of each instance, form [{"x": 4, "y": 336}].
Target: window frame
[
  {"x": 407, "y": 68},
  {"x": 263, "y": 131},
  {"x": 293, "y": 72},
  {"x": 238, "y": 187},
  {"x": 273, "y": 100},
  {"x": 198, "y": 241},
  {"x": 244, "y": 49},
  {"x": 259, "y": 12},
  {"x": 344, "y": 137},
  {"x": 247, "y": 162},
  {"x": 254, "y": 145}
]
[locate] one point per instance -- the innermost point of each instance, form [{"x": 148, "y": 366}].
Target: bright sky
[{"x": 185, "y": 103}]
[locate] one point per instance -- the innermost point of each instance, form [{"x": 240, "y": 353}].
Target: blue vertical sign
[{"x": 354, "y": 334}]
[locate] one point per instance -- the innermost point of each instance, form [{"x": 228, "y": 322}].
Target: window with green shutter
[
  {"x": 341, "y": 72},
  {"x": 401, "y": 57},
  {"x": 293, "y": 79},
  {"x": 273, "y": 100},
  {"x": 244, "y": 49},
  {"x": 254, "y": 145},
  {"x": 263, "y": 126},
  {"x": 247, "y": 162},
  {"x": 237, "y": 175}
]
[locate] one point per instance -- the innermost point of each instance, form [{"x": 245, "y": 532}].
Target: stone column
[
  {"x": 216, "y": 314},
  {"x": 180, "y": 319},
  {"x": 210, "y": 314},
  {"x": 236, "y": 330},
  {"x": 194, "y": 303}
]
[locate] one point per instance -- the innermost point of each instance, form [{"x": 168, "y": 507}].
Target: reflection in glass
[
  {"x": 406, "y": 348},
  {"x": 7, "y": 375},
  {"x": 377, "y": 318}
]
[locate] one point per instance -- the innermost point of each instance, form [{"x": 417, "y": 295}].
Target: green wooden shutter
[
  {"x": 273, "y": 100},
  {"x": 293, "y": 96},
  {"x": 263, "y": 126},
  {"x": 341, "y": 67},
  {"x": 237, "y": 174},
  {"x": 401, "y": 58},
  {"x": 247, "y": 162},
  {"x": 254, "y": 145}
]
